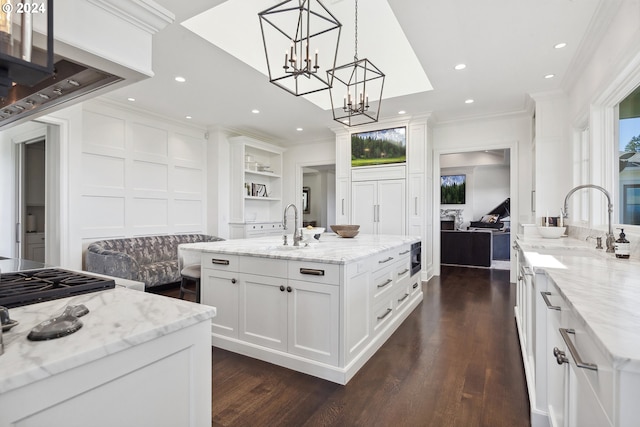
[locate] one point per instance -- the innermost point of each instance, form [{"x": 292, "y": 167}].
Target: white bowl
[
  {"x": 552, "y": 232},
  {"x": 308, "y": 234}
]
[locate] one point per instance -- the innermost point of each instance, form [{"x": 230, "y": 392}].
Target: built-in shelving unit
[{"x": 256, "y": 188}]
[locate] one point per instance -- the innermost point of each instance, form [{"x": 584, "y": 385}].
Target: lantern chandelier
[
  {"x": 293, "y": 29},
  {"x": 354, "y": 82}
]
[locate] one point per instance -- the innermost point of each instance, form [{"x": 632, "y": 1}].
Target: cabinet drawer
[
  {"x": 263, "y": 266},
  {"x": 34, "y": 238},
  {"x": 314, "y": 272},
  {"x": 382, "y": 284},
  {"x": 222, "y": 262},
  {"x": 402, "y": 271},
  {"x": 383, "y": 259},
  {"x": 382, "y": 314}
]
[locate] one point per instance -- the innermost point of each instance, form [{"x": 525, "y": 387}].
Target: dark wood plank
[{"x": 454, "y": 362}]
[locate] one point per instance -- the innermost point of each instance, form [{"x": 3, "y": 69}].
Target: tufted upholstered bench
[{"x": 149, "y": 259}]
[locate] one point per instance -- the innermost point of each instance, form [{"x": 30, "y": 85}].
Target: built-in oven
[{"x": 416, "y": 257}]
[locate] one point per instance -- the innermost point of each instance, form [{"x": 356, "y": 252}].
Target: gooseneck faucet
[
  {"x": 296, "y": 234},
  {"x": 610, "y": 238}
]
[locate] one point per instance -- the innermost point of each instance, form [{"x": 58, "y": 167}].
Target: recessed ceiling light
[
  {"x": 402, "y": 112},
  {"x": 469, "y": 101},
  {"x": 254, "y": 111},
  {"x": 131, "y": 99},
  {"x": 460, "y": 67},
  {"x": 180, "y": 79},
  {"x": 560, "y": 45},
  {"x": 549, "y": 76},
  {"x": 299, "y": 129},
  {"x": 188, "y": 117}
]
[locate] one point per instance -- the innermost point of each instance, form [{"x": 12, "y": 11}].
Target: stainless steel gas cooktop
[{"x": 32, "y": 286}]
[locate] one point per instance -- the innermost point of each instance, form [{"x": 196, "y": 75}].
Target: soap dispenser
[{"x": 622, "y": 247}]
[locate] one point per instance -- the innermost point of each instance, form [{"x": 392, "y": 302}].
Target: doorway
[
  {"x": 32, "y": 206},
  {"x": 318, "y": 195},
  {"x": 488, "y": 180}
]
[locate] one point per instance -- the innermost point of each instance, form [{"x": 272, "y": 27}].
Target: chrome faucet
[
  {"x": 296, "y": 233},
  {"x": 610, "y": 238}
]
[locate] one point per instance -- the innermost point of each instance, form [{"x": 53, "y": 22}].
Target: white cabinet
[
  {"x": 35, "y": 246},
  {"x": 256, "y": 184},
  {"x": 379, "y": 205},
  {"x": 220, "y": 273}
]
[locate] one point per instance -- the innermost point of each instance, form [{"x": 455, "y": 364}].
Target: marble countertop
[
  {"x": 330, "y": 249},
  {"x": 603, "y": 290},
  {"x": 118, "y": 319}
]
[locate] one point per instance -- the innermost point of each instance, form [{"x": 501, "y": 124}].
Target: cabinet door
[
  {"x": 263, "y": 310},
  {"x": 219, "y": 289},
  {"x": 585, "y": 409},
  {"x": 363, "y": 206},
  {"x": 314, "y": 315},
  {"x": 391, "y": 210},
  {"x": 557, "y": 375},
  {"x": 416, "y": 205}
]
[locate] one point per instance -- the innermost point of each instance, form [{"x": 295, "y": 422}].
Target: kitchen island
[
  {"x": 322, "y": 309},
  {"x": 579, "y": 326},
  {"x": 139, "y": 359}
]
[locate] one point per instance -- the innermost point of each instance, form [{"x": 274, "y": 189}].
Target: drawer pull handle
[
  {"x": 220, "y": 261},
  {"x": 545, "y": 297},
  {"x": 403, "y": 298},
  {"x": 385, "y": 283},
  {"x": 403, "y": 272},
  {"x": 312, "y": 271},
  {"x": 415, "y": 285},
  {"x": 386, "y": 313},
  {"x": 404, "y": 253},
  {"x": 574, "y": 351},
  {"x": 385, "y": 260}
]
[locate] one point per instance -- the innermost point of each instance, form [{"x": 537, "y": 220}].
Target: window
[{"x": 629, "y": 159}]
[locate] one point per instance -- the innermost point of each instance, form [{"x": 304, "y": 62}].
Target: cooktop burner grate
[{"x": 29, "y": 287}]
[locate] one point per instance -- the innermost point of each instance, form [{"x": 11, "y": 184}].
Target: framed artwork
[
  {"x": 452, "y": 189},
  {"x": 259, "y": 190},
  {"x": 379, "y": 147},
  {"x": 306, "y": 202}
]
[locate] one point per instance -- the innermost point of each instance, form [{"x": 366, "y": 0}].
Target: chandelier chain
[{"x": 356, "y": 31}]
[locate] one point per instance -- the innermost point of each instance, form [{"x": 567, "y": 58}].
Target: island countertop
[
  {"x": 330, "y": 249},
  {"x": 118, "y": 319},
  {"x": 603, "y": 290}
]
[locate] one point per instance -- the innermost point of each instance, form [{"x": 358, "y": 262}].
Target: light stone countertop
[
  {"x": 118, "y": 319},
  {"x": 330, "y": 249},
  {"x": 603, "y": 290}
]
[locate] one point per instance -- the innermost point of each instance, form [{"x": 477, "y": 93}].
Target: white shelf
[
  {"x": 269, "y": 174},
  {"x": 273, "y": 199}
]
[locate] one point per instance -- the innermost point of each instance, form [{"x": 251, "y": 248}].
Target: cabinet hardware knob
[
  {"x": 281, "y": 288},
  {"x": 560, "y": 356},
  {"x": 233, "y": 281},
  {"x": 289, "y": 289}
]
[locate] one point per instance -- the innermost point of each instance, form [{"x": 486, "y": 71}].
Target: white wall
[
  {"x": 298, "y": 156},
  {"x": 496, "y": 132},
  {"x": 139, "y": 175}
]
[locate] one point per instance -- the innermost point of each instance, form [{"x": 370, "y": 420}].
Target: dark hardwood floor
[{"x": 455, "y": 361}]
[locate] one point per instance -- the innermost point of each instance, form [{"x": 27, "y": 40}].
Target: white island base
[
  {"x": 139, "y": 360},
  {"x": 323, "y": 310}
]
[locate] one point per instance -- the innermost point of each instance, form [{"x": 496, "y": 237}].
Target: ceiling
[{"x": 507, "y": 46}]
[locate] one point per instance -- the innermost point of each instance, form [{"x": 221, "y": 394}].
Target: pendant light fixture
[
  {"x": 300, "y": 43},
  {"x": 20, "y": 61},
  {"x": 356, "y": 94}
]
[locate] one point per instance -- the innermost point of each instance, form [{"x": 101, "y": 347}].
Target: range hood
[{"x": 69, "y": 80}]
